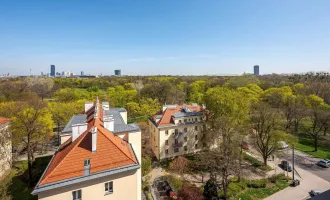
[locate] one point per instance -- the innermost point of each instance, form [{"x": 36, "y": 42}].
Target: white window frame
[
  {"x": 75, "y": 195},
  {"x": 107, "y": 188}
]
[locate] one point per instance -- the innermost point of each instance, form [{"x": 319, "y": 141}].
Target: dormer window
[
  {"x": 87, "y": 167},
  {"x": 87, "y": 162}
]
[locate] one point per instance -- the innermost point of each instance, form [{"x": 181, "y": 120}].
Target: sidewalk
[{"x": 308, "y": 182}]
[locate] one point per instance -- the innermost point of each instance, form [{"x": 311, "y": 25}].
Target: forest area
[{"x": 293, "y": 108}]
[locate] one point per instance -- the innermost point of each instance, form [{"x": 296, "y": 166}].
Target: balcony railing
[{"x": 176, "y": 145}]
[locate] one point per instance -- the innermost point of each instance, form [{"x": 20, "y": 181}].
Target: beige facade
[
  {"x": 5, "y": 149},
  {"x": 64, "y": 138},
  {"x": 124, "y": 188},
  {"x": 182, "y": 137}
]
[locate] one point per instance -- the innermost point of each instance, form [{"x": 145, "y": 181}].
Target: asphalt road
[{"x": 305, "y": 162}]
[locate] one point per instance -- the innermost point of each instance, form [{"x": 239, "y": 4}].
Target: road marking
[{"x": 304, "y": 197}]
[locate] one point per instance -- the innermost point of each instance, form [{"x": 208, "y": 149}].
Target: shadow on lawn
[{"x": 16, "y": 185}]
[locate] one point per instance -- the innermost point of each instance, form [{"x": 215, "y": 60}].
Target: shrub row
[
  {"x": 277, "y": 177},
  {"x": 256, "y": 183}
]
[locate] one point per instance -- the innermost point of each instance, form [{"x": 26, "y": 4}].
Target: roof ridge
[
  {"x": 106, "y": 135},
  {"x": 77, "y": 141}
]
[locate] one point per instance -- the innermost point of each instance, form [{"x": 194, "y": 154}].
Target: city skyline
[{"x": 166, "y": 38}]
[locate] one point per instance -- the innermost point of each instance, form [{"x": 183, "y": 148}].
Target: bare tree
[
  {"x": 267, "y": 132},
  {"x": 317, "y": 123},
  {"x": 41, "y": 86}
]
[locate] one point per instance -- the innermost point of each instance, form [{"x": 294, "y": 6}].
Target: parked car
[
  {"x": 324, "y": 163},
  {"x": 283, "y": 145},
  {"x": 245, "y": 145},
  {"x": 285, "y": 165},
  {"x": 315, "y": 192}
]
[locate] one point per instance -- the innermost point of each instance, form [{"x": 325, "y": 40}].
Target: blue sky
[{"x": 176, "y": 37}]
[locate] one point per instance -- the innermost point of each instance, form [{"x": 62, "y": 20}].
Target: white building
[
  {"x": 176, "y": 130},
  {"x": 100, "y": 159}
]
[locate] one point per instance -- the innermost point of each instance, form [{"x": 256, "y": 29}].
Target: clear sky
[{"x": 176, "y": 37}]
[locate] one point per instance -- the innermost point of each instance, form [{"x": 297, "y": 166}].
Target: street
[{"x": 306, "y": 162}]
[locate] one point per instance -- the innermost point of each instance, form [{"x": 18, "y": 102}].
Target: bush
[
  {"x": 255, "y": 162},
  {"x": 188, "y": 192},
  {"x": 277, "y": 177},
  {"x": 174, "y": 182},
  {"x": 210, "y": 189},
  {"x": 146, "y": 165},
  {"x": 257, "y": 183}
]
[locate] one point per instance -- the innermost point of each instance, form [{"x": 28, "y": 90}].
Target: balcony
[
  {"x": 177, "y": 145},
  {"x": 179, "y": 134}
]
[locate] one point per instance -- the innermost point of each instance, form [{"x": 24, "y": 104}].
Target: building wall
[
  {"x": 5, "y": 150},
  {"x": 64, "y": 138},
  {"x": 170, "y": 137},
  {"x": 154, "y": 139},
  {"x": 135, "y": 139},
  {"x": 124, "y": 188}
]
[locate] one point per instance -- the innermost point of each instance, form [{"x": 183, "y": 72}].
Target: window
[
  {"x": 185, "y": 148},
  {"x": 185, "y": 139},
  {"x": 196, "y": 146},
  {"x": 166, "y": 142},
  {"x": 166, "y": 151},
  {"x": 108, "y": 187},
  {"x": 201, "y": 118},
  {"x": 204, "y": 144},
  {"x": 185, "y": 130},
  {"x": 176, "y": 150},
  {"x": 196, "y": 119},
  {"x": 166, "y": 132},
  {"x": 176, "y": 132},
  {"x": 87, "y": 162},
  {"x": 196, "y": 137},
  {"x": 196, "y": 128},
  {"x": 180, "y": 121},
  {"x": 185, "y": 120},
  {"x": 176, "y": 141},
  {"x": 76, "y": 195}
]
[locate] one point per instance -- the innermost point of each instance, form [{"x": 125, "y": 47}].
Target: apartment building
[
  {"x": 5, "y": 147},
  {"x": 99, "y": 160},
  {"x": 176, "y": 130}
]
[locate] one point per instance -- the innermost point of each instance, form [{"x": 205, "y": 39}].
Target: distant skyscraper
[
  {"x": 117, "y": 72},
  {"x": 52, "y": 70},
  {"x": 82, "y": 73},
  {"x": 256, "y": 70}
]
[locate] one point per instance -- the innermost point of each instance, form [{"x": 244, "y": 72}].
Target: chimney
[
  {"x": 88, "y": 105},
  {"x": 164, "y": 107},
  {"x": 77, "y": 130},
  {"x": 94, "y": 139},
  {"x": 109, "y": 123}
]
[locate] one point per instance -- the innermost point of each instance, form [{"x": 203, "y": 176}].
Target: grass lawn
[
  {"x": 256, "y": 189},
  {"x": 261, "y": 193},
  {"x": 306, "y": 144},
  {"x": 15, "y": 186},
  {"x": 320, "y": 153}
]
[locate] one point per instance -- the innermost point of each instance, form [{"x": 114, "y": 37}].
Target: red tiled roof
[
  {"x": 3, "y": 120},
  {"x": 111, "y": 152},
  {"x": 167, "y": 114}
]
